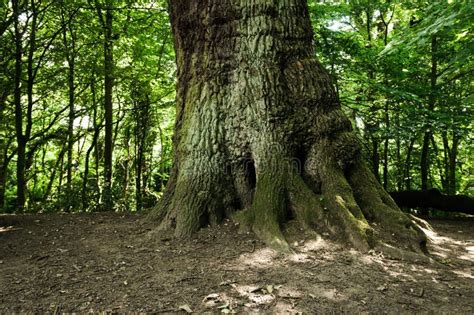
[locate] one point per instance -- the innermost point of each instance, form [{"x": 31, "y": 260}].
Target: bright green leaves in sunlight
[
  {"x": 399, "y": 89},
  {"x": 62, "y": 104}
]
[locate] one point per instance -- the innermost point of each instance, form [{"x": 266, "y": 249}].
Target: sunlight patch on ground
[
  {"x": 256, "y": 295},
  {"x": 430, "y": 271},
  {"x": 366, "y": 260},
  {"x": 464, "y": 274},
  {"x": 300, "y": 258},
  {"x": 329, "y": 294},
  {"x": 7, "y": 229},
  {"x": 445, "y": 247},
  {"x": 469, "y": 256},
  {"x": 260, "y": 258},
  {"x": 401, "y": 275},
  {"x": 437, "y": 239},
  {"x": 314, "y": 245}
]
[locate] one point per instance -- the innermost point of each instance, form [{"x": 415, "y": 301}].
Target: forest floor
[{"x": 106, "y": 262}]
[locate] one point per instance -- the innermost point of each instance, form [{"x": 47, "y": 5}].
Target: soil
[{"x": 109, "y": 262}]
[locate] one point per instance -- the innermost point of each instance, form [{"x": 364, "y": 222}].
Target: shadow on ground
[{"x": 106, "y": 263}]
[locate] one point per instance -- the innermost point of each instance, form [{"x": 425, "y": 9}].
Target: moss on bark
[{"x": 260, "y": 135}]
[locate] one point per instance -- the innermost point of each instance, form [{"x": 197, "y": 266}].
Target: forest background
[{"x": 87, "y": 95}]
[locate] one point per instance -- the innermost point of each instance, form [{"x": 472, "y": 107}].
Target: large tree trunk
[{"x": 260, "y": 135}]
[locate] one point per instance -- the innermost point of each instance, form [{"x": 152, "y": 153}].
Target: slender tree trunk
[
  {"x": 452, "y": 165},
  {"x": 425, "y": 160},
  {"x": 4, "y": 144},
  {"x": 108, "y": 108},
  {"x": 70, "y": 50},
  {"x": 399, "y": 153},
  {"x": 49, "y": 188},
  {"x": 85, "y": 179},
  {"x": 126, "y": 178},
  {"x": 96, "y": 151},
  {"x": 260, "y": 135},
  {"x": 138, "y": 179},
  {"x": 450, "y": 162},
  {"x": 442, "y": 176},
  {"x": 141, "y": 125},
  {"x": 106, "y": 21},
  {"x": 385, "y": 145},
  {"x": 408, "y": 164},
  {"x": 5, "y": 161},
  {"x": 61, "y": 176},
  {"x": 21, "y": 140}
]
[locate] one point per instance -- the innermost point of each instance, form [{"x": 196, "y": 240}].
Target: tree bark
[
  {"x": 106, "y": 20},
  {"x": 21, "y": 140},
  {"x": 260, "y": 135}
]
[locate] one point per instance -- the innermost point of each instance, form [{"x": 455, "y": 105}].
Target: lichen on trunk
[{"x": 260, "y": 136}]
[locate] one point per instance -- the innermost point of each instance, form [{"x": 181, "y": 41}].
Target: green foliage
[
  {"x": 144, "y": 68},
  {"x": 379, "y": 54}
]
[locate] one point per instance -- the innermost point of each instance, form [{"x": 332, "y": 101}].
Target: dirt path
[{"x": 105, "y": 262}]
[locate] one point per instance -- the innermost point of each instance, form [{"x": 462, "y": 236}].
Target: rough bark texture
[{"x": 260, "y": 135}]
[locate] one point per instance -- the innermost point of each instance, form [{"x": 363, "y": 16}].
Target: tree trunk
[
  {"x": 69, "y": 43},
  {"x": 21, "y": 141},
  {"x": 408, "y": 164},
  {"x": 49, "y": 188},
  {"x": 425, "y": 158},
  {"x": 385, "y": 145},
  {"x": 4, "y": 162},
  {"x": 109, "y": 83},
  {"x": 260, "y": 135},
  {"x": 106, "y": 20},
  {"x": 399, "y": 152},
  {"x": 141, "y": 110},
  {"x": 85, "y": 179},
  {"x": 450, "y": 161}
]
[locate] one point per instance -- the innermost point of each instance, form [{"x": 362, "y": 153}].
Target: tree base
[{"x": 351, "y": 206}]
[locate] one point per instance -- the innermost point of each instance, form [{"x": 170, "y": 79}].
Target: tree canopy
[{"x": 403, "y": 72}]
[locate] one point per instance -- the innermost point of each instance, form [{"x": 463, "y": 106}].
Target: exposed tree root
[
  {"x": 351, "y": 206},
  {"x": 396, "y": 228},
  {"x": 267, "y": 212}
]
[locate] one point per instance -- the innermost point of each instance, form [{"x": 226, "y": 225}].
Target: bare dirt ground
[{"x": 105, "y": 262}]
